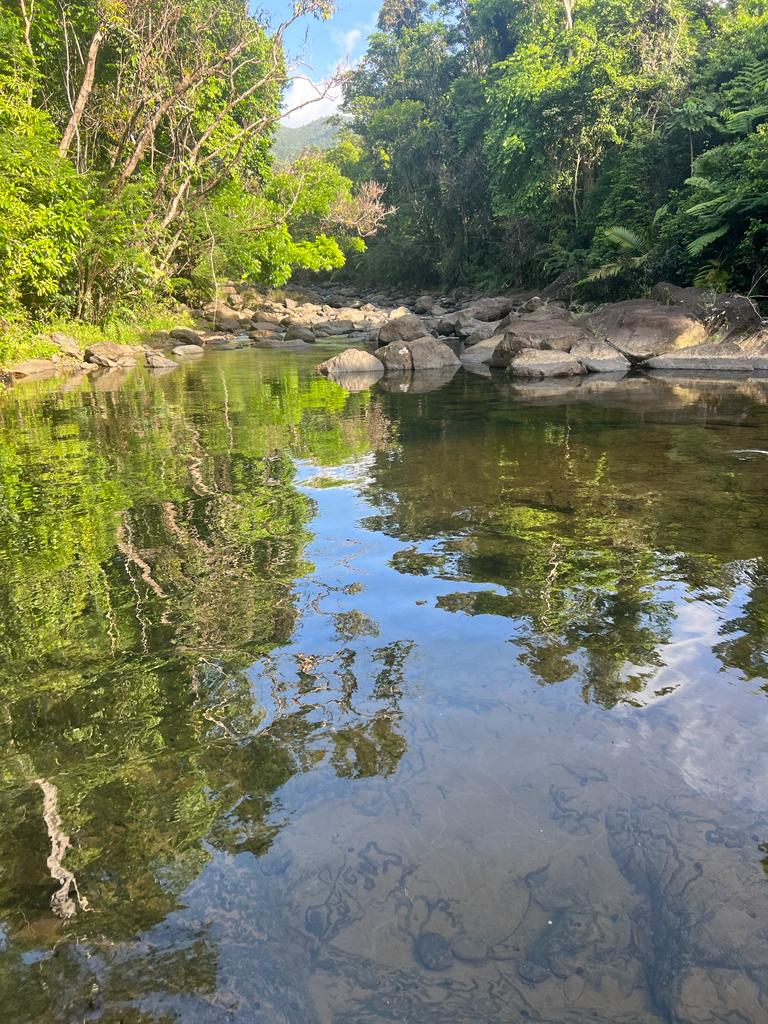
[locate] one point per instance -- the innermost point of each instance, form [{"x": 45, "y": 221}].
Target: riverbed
[{"x": 435, "y": 702}]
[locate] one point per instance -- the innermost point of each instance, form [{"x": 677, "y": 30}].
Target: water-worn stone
[
  {"x": 157, "y": 361},
  {"x": 67, "y": 345},
  {"x": 297, "y": 333},
  {"x": 351, "y": 360},
  {"x": 420, "y": 354},
  {"x": 741, "y": 356},
  {"x": 34, "y": 368},
  {"x": 110, "y": 354},
  {"x": 279, "y": 343},
  {"x": 492, "y": 308},
  {"x": 642, "y": 329},
  {"x": 538, "y": 363},
  {"x": 433, "y": 951},
  {"x": 600, "y": 357},
  {"x": 223, "y": 317},
  {"x": 725, "y": 314},
  {"x": 189, "y": 350},
  {"x": 402, "y": 328},
  {"x": 188, "y": 335},
  {"x": 482, "y": 352}
]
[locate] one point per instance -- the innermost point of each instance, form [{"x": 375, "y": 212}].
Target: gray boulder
[
  {"x": 189, "y": 350},
  {"x": 725, "y": 314},
  {"x": 424, "y": 353},
  {"x": 224, "y": 318},
  {"x": 402, "y": 328},
  {"x": 34, "y": 368},
  {"x": 642, "y": 329},
  {"x": 187, "y": 335},
  {"x": 351, "y": 360},
  {"x": 481, "y": 333},
  {"x": 67, "y": 345},
  {"x": 333, "y": 329},
  {"x": 740, "y": 356},
  {"x": 600, "y": 357},
  {"x": 111, "y": 354},
  {"x": 297, "y": 333},
  {"x": 157, "y": 361},
  {"x": 492, "y": 308},
  {"x": 482, "y": 352},
  {"x": 537, "y": 364}
]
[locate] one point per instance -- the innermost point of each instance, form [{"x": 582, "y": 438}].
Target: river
[{"x": 394, "y": 706}]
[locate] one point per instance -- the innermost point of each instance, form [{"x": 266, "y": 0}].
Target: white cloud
[{"x": 315, "y": 99}]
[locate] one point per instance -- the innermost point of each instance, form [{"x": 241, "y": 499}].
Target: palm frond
[
  {"x": 625, "y": 238},
  {"x": 698, "y": 245},
  {"x": 604, "y": 273}
]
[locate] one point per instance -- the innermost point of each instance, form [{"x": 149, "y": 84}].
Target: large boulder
[
  {"x": 600, "y": 357},
  {"x": 67, "y": 345},
  {"x": 351, "y": 360},
  {"x": 334, "y": 329},
  {"x": 224, "y": 318},
  {"x": 424, "y": 353},
  {"x": 188, "y": 335},
  {"x": 554, "y": 334},
  {"x": 482, "y": 352},
  {"x": 402, "y": 328},
  {"x": 189, "y": 350},
  {"x": 642, "y": 329},
  {"x": 536, "y": 364},
  {"x": 487, "y": 309},
  {"x": 297, "y": 333},
  {"x": 739, "y": 356},
  {"x": 110, "y": 354},
  {"x": 563, "y": 286},
  {"x": 34, "y": 368},
  {"x": 725, "y": 314},
  {"x": 482, "y": 332},
  {"x": 157, "y": 361}
]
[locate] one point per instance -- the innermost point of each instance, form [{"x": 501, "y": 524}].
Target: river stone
[
  {"x": 267, "y": 326},
  {"x": 351, "y": 360},
  {"x": 110, "y": 353},
  {"x": 402, "y": 328},
  {"x": 424, "y": 353},
  {"x": 33, "y": 368},
  {"x": 334, "y": 328},
  {"x": 298, "y": 333},
  {"x": 279, "y": 343},
  {"x": 223, "y": 317},
  {"x": 471, "y": 951},
  {"x": 189, "y": 350},
  {"x": 718, "y": 355},
  {"x": 488, "y": 309},
  {"x": 642, "y": 329},
  {"x": 725, "y": 313},
  {"x": 187, "y": 335},
  {"x": 433, "y": 951},
  {"x": 600, "y": 357},
  {"x": 538, "y": 363},
  {"x": 157, "y": 361},
  {"x": 482, "y": 352},
  {"x": 67, "y": 345}
]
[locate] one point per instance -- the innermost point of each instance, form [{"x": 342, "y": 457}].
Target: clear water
[{"x": 402, "y": 706}]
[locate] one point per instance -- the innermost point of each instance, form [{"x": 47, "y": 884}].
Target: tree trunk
[{"x": 85, "y": 92}]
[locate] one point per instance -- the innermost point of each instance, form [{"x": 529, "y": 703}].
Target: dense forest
[
  {"x": 136, "y": 164},
  {"x": 484, "y": 143},
  {"x": 622, "y": 141}
]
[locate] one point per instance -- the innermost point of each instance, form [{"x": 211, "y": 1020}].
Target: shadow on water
[{"x": 404, "y": 704}]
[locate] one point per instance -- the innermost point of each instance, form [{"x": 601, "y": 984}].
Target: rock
[
  {"x": 297, "y": 333},
  {"x": 266, "y": 327},
  {"x": 351, "y": 360},
  {"x": 482, "y": 351},
  {"x": 554, "y": 333},
  {"x": 641, "y": 328},
  {"x": 399, "y": 312},
  {"x": 490, "y": 308},
  {"x": 482, "y": 333},
  {"x": 433, "y": 951},
  {"x": 189, "y": 350},
  {"x": 157, "y": 361},
  {"x": 67, "y": 345},
  {"x": 726, "y": 314},
  {"x": 471, "y": 951},
  {"x": 110, "y": 353},
  {"x": 402, "y": 328},
  {"x": 188, "y": 335},
  {"x": 737, "y": 357},
  {"x": 534, "y": 303},
  {"x": 224, "y": 318},
  {"x": 756, "y": 349},
  {"x": 420, "y": 354},
  {"x": 335, "y": 328},
  {"x": 34, "y": 368},
  {"x": 424, "y": 304},
  {"x": 279, "y": 343},
  {"x": 562, "y": 287},
  {"x": 536, "y": 363},
  {"x": 600, "y": 357}
]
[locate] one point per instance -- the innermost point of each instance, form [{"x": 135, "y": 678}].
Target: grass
[{"x": 20, "y": 339}]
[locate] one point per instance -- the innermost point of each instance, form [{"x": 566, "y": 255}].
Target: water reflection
[{"x": 423, "y": 705}]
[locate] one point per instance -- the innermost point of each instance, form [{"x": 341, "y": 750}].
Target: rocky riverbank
[{"x": 524, "y": 335}]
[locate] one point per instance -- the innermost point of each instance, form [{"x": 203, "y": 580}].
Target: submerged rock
[{"x": 433, "y": 951}]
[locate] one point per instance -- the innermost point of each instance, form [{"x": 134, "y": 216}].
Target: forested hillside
[
  {"x": 135, "y": 160},
  {"x": 622, "y": 141},
  {"x": 291, "y": 142}
]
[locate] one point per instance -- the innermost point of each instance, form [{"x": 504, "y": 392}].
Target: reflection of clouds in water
[{"x": 351, "y": 474}]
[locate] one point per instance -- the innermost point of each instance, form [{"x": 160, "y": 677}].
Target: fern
[
  {"x": 698, "y": 245},
  {"x": 625, "y": 238}
]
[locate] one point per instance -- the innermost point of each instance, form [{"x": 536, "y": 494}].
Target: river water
[{"x": 395, "y": 706}]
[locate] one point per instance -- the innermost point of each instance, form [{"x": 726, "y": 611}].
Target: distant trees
[{"x": 512, "y": 135}]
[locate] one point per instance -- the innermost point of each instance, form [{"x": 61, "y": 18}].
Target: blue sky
[{"x": 318, "y": 47}]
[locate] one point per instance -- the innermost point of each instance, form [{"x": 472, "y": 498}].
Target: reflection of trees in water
[
  {"x": 575, "y": 517},
  {"x": 150, "y": 541}
]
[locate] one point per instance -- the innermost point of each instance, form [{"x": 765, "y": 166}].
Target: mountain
[{"x": 290, "y": 142}]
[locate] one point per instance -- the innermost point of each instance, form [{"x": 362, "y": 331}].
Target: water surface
[{"x": 400, "y": 705}]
